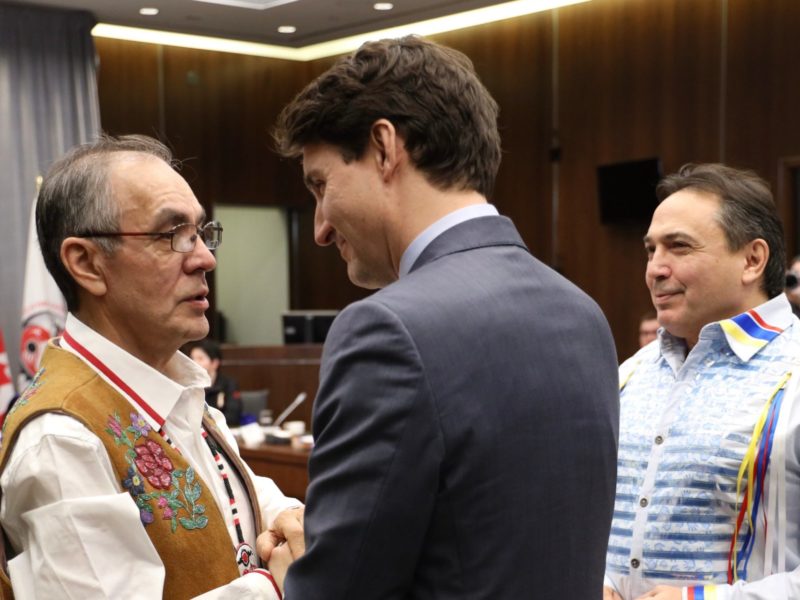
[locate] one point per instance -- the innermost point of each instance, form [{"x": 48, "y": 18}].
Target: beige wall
[{"x": 252, "y": 276}]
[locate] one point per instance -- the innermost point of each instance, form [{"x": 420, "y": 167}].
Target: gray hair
[{"x": 74, "y": 200}]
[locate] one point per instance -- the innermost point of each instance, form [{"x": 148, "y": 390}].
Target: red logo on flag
[
  {"x": 5, "y": 377},
  {"x": 31, "y": 346}
]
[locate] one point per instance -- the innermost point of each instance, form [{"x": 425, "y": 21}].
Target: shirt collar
[
  {"x": 750, "y": 331},
  {"x": 434, "y": 230},
  {"x": 152, "y": 393},
  {"x": 746, "y": 333}
]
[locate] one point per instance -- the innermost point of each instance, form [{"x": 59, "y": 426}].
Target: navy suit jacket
[{"x": 466, "y": 434}]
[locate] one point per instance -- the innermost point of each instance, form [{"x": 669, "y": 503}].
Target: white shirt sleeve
[{"x": 77, "y": 532}]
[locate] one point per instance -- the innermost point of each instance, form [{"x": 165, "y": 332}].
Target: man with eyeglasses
[{"x": 117, "y": 479}]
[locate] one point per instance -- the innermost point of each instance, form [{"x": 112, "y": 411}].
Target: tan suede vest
[{"x": 176, "y": 506}]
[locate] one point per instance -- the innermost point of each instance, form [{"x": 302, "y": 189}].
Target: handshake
[{"x": 283, "y": 543}]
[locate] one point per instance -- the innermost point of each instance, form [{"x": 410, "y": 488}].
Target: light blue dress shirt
[{"x": 434, "y": 230}]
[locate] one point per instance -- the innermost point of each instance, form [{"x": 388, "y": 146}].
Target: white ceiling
[{"x": 316, "y": 20}]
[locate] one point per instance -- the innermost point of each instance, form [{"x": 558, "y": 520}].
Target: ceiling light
[
  {"x": 254, "y": 4},
  {"x": 383, "y": 6},
  {"x": 287, "y": 29},
  {"x": 481, "y": 16},
  {"x": 148, "y": 12}
]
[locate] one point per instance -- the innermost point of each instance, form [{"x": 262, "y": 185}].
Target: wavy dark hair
[{"x": 430, "y": 93}]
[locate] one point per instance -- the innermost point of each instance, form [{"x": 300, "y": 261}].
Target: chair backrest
[{"x": 254, "y": 401}]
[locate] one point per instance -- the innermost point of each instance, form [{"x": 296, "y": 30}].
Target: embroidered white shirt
[
  {"x": 685, "y": 424},
  {"x": 76, "y": 528}
]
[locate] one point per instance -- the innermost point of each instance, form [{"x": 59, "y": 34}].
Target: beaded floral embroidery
[
  {"x": 26, "y": 395},
  {"x": 29, "y": 391},
  {"x": 175, "y": 493}
]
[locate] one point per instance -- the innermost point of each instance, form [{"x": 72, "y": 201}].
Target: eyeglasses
[{"x": 183, "y": 237}]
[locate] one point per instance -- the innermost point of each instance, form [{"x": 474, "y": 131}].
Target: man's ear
[
  {"x": 387, "y": 146},
  {"x": 83, "y": 259},
  {"x": 756, "y": 254}
]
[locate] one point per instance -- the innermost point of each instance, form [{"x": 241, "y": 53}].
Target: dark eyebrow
[
  {"x": 671, "y": 237},
  {"x": 169, "y": 216}
]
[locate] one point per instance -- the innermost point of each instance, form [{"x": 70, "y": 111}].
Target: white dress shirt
[
  {"x": 685, "y": 424},
  {"x": 76, "y": 529}
]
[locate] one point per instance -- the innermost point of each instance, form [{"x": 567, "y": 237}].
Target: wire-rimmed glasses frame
[{"x": 182, "y": 238}]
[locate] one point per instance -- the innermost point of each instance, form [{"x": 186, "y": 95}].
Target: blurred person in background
[
  {"x": 648, "y": 328},
  {"x": 223, "y": 394}
]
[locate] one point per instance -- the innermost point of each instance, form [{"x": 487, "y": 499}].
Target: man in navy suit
[{"x": 466, "y": 421}]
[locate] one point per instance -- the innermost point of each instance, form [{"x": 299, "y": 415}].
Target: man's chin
[
  {"x": 363, "y": 280},
  {"x": 198, "y": 330}
]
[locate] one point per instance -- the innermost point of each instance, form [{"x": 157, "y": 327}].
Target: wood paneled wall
[
  {"x": 214, "y": 109},
  {"x": 283, "y": 370},
  {"x": 604, "y": 81},
  {"x": 638, "y": 79},
  {"x": 762, "y": 120}
]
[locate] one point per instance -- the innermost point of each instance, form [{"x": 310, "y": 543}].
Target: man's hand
[
  {"x": 662, "y": 592},
  {"x": 279, "y": 561},
  {"x": 287, "y": 527},
  {"x": 610, "y": 594}
]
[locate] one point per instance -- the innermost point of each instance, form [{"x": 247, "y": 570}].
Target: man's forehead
[
  {"x": 146, "y": 186},
  {"x": 176, "y": 216},
  {"x": 689, "y": 216}
]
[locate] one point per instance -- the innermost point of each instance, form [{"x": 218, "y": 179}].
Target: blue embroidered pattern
[{"x": 683, "y": 489}]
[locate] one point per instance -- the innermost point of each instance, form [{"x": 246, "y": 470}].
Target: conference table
[{"x": 286, "y": 466}]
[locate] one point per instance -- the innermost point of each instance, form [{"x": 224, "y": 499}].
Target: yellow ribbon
[{"x": 749, "y": 464}]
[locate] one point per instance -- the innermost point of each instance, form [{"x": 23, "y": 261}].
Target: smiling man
[
  {"x": 465, "y": 425},
  {"x": 117, "y": 480},
  {"x": 709, "y": 480}
]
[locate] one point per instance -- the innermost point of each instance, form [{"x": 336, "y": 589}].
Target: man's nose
[
  {"x": 323, "y": 232},
  {"x": 201, "y": 257},
  {"x": 657, "y": 267}
]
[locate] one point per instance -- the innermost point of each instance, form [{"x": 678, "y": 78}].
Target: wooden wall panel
[
  {"x": 638, "y": 78},
  {"x": 283, "y": 370},
  {"x": 219, "y": 112},
  {"x": 514, "y": 60},
  {"x": 127, "y": 82},
  {"x": 763, "y": 93}
]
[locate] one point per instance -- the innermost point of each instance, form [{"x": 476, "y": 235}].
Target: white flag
[
  {"x": 6, "y": 385},
  {"x": 43, "y": 307}
]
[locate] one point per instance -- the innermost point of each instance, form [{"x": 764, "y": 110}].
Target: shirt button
[
  {"x": 659, "y": 440},
  {"x": 643, "y": 502},
  {"x": 635, "y": 563}
]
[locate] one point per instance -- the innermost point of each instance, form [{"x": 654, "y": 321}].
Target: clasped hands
[{"x": 283, "y": 543}]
